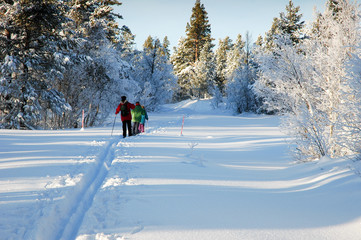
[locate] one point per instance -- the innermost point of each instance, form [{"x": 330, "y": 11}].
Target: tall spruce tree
[
  {"x": 187, "y": 54},
  {"x": 198, "y": 30},
  {"x": 288, "y": 23}
]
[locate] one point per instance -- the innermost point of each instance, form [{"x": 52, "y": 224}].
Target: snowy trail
[
  {"x": 87, "y": 190},
  {"x": 66, "y": 217}
]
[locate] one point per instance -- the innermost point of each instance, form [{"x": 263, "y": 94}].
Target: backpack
[{"x": 124, "y": 110}]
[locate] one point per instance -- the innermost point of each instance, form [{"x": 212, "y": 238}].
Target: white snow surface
[{"x": 226, "y": 177}]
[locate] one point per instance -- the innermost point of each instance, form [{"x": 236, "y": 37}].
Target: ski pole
[
  {"x": 182, "y": 126},
  {"x": 113, "y": 125}
]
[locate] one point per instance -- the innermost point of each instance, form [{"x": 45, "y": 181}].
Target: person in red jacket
[{"x": 126, "y": 116}]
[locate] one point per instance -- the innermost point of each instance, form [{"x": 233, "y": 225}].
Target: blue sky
[{"x": 160, "y": 18}]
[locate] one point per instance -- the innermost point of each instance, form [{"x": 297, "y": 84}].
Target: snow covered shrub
[
  {"x": 240, "y": 73},
  {"x": 238, "y": 91},
  {"x": 217, "y": 96}
]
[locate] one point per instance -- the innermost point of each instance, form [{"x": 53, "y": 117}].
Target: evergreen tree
[
  {"x": 259, "y": 41},
  {"x": 187, "y": 54},
  {"x": 29, "y": 70},
  {"x": 222, "y": 51},
  {"x": 288, "y": 23},
  {"x": 96, "y": 18},
  {"x": 58, "y": 58},
  {"x": 198, "y": 31},
  {"x": 126, "y": 43},
  {"x": 269, "y": 43},
  {"x": 236, "y": 57},
  {"x": 149, "y": 44},
  {"x": 181, "y": 60},
  {"x": 165, "y": 48},
  {"x": 333, "y": 11},
  {"x": 334, "y": 7}
]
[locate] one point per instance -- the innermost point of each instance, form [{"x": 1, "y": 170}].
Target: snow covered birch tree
[
  {"x": 337, "y": 32},
  {"x": 352, "y": 114},
  {"x": 308, "y": 81},
  {"x": 287, "y": 86},
  {"x": 154, "y": 74}
]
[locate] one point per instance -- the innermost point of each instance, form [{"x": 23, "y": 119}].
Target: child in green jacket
[{"x": 137, "y": 113}]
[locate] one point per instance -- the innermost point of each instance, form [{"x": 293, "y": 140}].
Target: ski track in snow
[{"x": 66, "y": 217}]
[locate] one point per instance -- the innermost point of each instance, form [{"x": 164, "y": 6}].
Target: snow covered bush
[{"x": 240, "y": 97}]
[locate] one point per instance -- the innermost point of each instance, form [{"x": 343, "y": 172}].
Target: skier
[
  {"x": 142, "y": 121},
  {"x": 137, "y": 113},
  {"x": 126, "y": 116}
]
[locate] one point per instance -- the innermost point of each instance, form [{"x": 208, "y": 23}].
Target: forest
[{"x": 60, "y": 57}]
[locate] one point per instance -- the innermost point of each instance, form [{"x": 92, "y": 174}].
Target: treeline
[
  {"x": 58, "y": 58},
  {"x": 309, "y": 73},
  {"x": 226, "y": 72}
]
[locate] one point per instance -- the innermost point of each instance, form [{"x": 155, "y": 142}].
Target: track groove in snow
[{"x": 66, "y": 217}]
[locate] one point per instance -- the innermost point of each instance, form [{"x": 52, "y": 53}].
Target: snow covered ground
[{"x": 227, "y": 177}]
